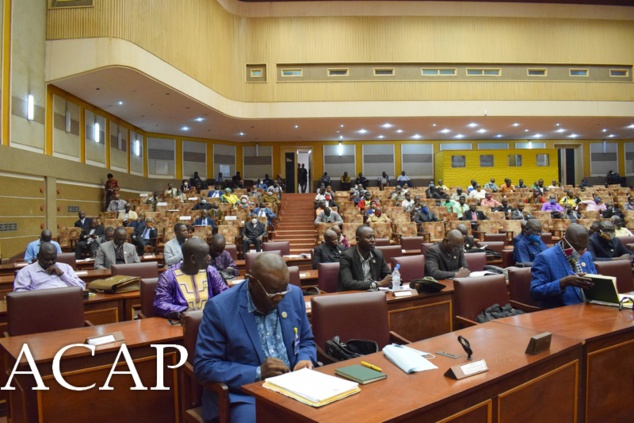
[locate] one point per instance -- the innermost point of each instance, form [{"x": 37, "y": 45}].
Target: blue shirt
[
  {"x": 526, "y": 250},
  {"x": 34, "y": 247}
]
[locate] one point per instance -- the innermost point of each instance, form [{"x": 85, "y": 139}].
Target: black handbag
[{"x": 341, "y": 351}]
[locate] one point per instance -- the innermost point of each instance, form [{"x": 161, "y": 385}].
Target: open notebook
[{"x": 604, "y": 292}]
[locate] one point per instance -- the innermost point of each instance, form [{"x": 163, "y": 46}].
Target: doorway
[
  {"x": 289, "y": 160},
  {"x": 303, "y": 158},
  {"x": 568, "y": 161}
]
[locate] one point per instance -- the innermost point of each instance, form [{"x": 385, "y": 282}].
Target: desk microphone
[{"x": 466, "y": 346}]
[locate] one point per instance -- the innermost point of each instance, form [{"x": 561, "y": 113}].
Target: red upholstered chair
[
  {"x": 45, "y": 310},
  {"x": 476, "y": 262},
  {"x": 547, "y": 237},
  {"x": 233, "y": 250},
  {"x": 492, "y": 245},
  {"x": 507, "y": 258},
  {"x": 425, "y": 246},
  {"x": 494, "y": 237},
  {"x": 360, "y": 315},
  {"x": 624, "y": 240},
  {"x": 283, "y": 246},
  {"x": 621, "y": 270},
  {"x": 293, "y": 276},
  {"x": 148, "y": 292},
  {"x": 409, "y": 243},
  {"x": 191, "y": 405},
  {"x": 382, "y": 242},
  {"x": 249, "y": 258},
  {"x": 328, "y": 277},
  {"x": 148, "y": 269},
  {"x": 412, "y": 267},
  {"x": 67, "y": 258},
  {"x": 390, "y": 251},
  {"x": 520, "y": 286},
  {"x": 472, "y": 295}
]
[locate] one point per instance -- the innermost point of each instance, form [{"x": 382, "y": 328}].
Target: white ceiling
[{"x": 154, "y": 107}]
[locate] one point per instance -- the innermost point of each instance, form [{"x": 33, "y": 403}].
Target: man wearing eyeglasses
[
  {"x": 251, "y": 332},
  {"x": 529, "y": 243},
  {"x": 604, "y": 246},
  {"x": 557, "y": 273}
]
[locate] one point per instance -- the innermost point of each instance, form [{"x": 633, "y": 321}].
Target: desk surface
[
  {"x": 404, "y": 395},
  {"x": 141, "y": 332}
]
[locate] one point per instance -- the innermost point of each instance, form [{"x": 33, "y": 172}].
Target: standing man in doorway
[{"x": 302, "y": 178}]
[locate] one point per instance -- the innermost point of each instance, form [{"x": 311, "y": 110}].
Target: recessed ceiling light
[
  {"x": 381, "y": 137},
  {"x": 241, "y": 134},
  {"x": 296, "y": 126},
  {"x": 481, "y": 131},
  {"x": 185, "y": 128},
  {"x": 560, "y": 130},
  {"x": 416, "y": 136},
  {"x": 472, "y": 125},
  {"x": 399, "y": 131},
  {"x": 340, "y": 137},
  {"x": 499, "y": 136},
  {"x": 338, "y": 132},
  {"x": 557, "y": 124},
  {"x": 362, "y": 131},
  {"x": 573, "y": 136},
  {"x": 604, "y": 130},
  {"x": 433, "y": 124},
  {"x": 525, "y": 130},
  {"x": 459, "y": 136},
  {"x": 341, "y": 126},
  {"x": 445, "y": 131},
  {"x": 631, "y": 126},
  {"x": 516, "y": 124},
  {"x": 386, "y": 125},
  {"x": 611, "y": 136},
  {"x": 537, "y": 136},
  {"x": 199, "y": 119},
  {"x": 120, "y": 103}
]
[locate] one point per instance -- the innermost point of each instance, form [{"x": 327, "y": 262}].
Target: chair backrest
[
  {"x": 293, "y": 276},
  {"x": 45, "y": 310},
  {"x": 412, "y": 267},
  {"x": 547, "y": 237},
  {"x": 68, "y": 258},
  {"x": 472, "y": 295},
  {"x": 621, "y": 270},
  {"x": 494, "y": 237},
  {"x": 283, "y": 246},
  {"x": 520, "y": 285},
  {"x": 148, "y": 292},
  {"x": 328, "y": 277},
  {"x": 424, "y": 246},
  {"x": 381, "y": 242},
  {"x": 233, "y": 250},
  {"x": 249, "y": 258},
  {"x": 191, "y": 322},
  {"x": 350, "y": 316},
  {"x": 411, "y": 242},
  {"x": 624, "y": 240},
  {"x": 507, "y": 258},
  {"x": 476, "y": 261},
  {"x": 148, "y": 269},
  {"x": 390, "y": 251},
  {"x": 497, "y": 246}
]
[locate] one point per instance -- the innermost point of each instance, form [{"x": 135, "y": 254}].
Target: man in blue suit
[
  {"x": 558, "y": 272},
  {"x": 252, "y": 332}
]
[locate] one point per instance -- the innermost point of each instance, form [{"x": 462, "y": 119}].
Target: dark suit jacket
[
  {"x": 479, "y": 214},
  {"x": 138, "y": 232},
  {"x": 99, "y": 230},
  {"x": 325, "y": 254},
  {"x": 253, "y": 231},
  {"x": 351, "y": 272},
  {"x": 86, "y": 226}
]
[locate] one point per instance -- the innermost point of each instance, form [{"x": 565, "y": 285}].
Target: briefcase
[{"x": 115, "y": 284}]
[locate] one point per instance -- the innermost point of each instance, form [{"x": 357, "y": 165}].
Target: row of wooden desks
[{"x": 587, "y": 375}]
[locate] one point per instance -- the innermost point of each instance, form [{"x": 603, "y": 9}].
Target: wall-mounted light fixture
[
  {"x": 530, "y": 145},
  {"x": 340, "y": 149},
  {"x": 137, "y": 148},
  {"x": 69, "y": 121},
  {"x": 96, "y": 132},
  {"x": 30, "y": 107}
]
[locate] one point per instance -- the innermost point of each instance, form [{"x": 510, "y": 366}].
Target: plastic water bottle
[{"x": 396, "y": 278}]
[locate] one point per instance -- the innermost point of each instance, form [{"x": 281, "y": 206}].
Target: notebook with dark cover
[
  {"x": 604, "y": 291},
  {"x": 360, "y": 374}
]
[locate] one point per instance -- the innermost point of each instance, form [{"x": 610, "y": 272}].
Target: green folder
[{"x": 360, "y": 374}]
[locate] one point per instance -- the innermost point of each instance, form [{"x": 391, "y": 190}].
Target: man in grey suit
[{"x": 117, "y": 251}]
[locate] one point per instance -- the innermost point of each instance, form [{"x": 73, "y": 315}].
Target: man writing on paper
[
  {"x": 251, "y": 332},
  {"x": 445, "y": 259},
  {"x": 558, "y": 271},
  {"x": 362, "y": 267}
]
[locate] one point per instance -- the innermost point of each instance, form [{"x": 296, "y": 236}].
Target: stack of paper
[
  {"x": 312, "y": 387},
  {"x": 407, "y": 360}
]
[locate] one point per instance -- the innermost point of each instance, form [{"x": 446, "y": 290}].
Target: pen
[{"x": 371, "y": 366}]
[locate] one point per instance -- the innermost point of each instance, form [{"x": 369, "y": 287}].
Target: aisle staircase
[{"x": 296, "y": 222}]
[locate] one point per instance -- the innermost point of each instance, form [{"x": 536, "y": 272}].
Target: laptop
[{"x": 604, "y": 292}]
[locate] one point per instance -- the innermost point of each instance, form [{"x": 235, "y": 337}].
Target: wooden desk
[
  {"x": 89, "y": 275},
  {"x": 79, "y": 368},
  {"x": 608, "y": 359},
  {"x": 517, "y": 387}
]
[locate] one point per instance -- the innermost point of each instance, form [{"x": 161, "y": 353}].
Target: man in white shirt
[
  {"x": 403, "y": 180},
  {"x": 46, "y": 273},
  {"x": 478, "y": 193}
]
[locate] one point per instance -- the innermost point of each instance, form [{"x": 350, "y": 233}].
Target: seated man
[
  {"x": 492, "y": 185},
  {"x": 270, "y": 197},
  {"x": 329, "y": 251},
  {"x": 571, "y": 214},
  {"x": 144, "y": 235},
  {"x": 328, "y": 216},
  {"x": 189, "y": 284},
  {"x": 117, "y": 251},
  {"x": 126, "y": 215},
  {"x": 378, "y": 217},
  {"x": 620, "y": 230},
  {"x": 252, "y": 234},
  {"x": 489, "y": 201},
  {"x": 116, "y": 204},
  {"x": 205, "y": 220},
  {"x": 558, "y": 271},
  {"x": 478, "y": 193},
  {"x": 529, "y": 243},
  {"x": 403, "y": 180},
  {"x": 46, "y": 273},
  {"x": 505, "y": 208},
  {"x": 34, "y": 247},
  {"x": 202, "y": 205},
  {"x": 172, "y": 252},
  {"x": 445, "y": 259},
  {"x": 604, "y": 246},
  {"x": 265, "y": 211},
  {"x": 555, "y": 209},
  {"x": 89, "y": 239},
  {"x": 423, "y": 214},
  {"x": 535, "y": 198},
  {"x": 520, "y": 214},
  {"x": 460, "y": 207},
  {"x": 343, "y": 241},
  {"x": 362, "y": 267},
  {"x": 474, "y": 215},
  {"x": 469, "y": 242},
  {"x": 215, "y": 193},
  {"x": 220, "y": 258},
  {"x": 254, "y": 331},
  {"x": 83, "y": 222}
]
